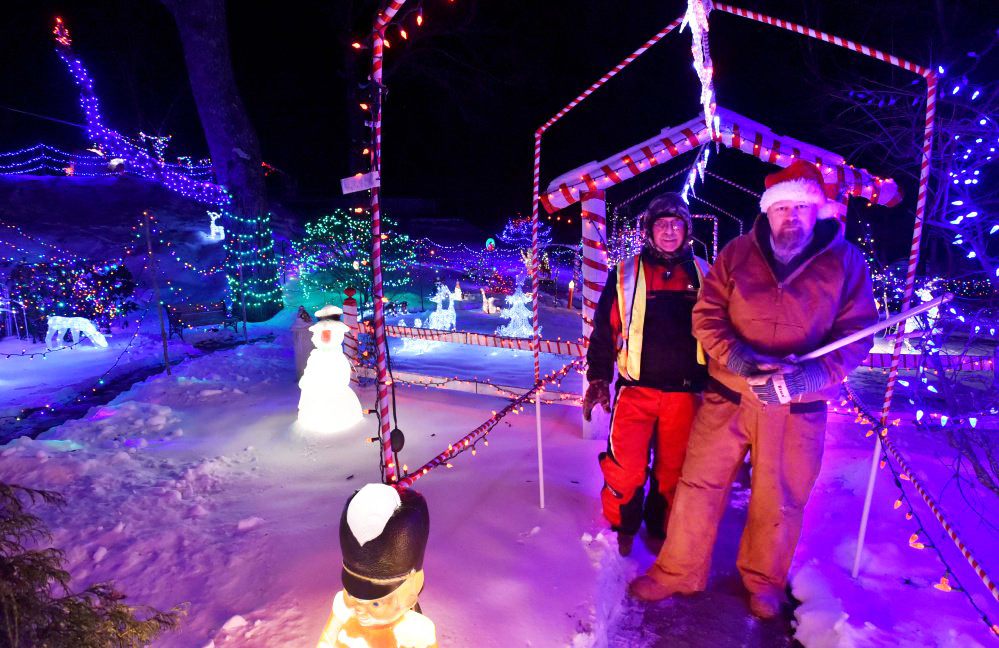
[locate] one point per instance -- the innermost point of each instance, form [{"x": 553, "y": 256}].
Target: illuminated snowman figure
[{"x": 328, "y": 405}]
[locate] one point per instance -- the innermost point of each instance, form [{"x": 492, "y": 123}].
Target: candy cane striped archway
[
  {"x": 699, "y": 12},
  {"x": 587, "y": 183},
  {"x": 734, "y": 131}
]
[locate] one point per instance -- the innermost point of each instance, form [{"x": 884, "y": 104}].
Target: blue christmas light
[{"x": 115, "y": 144}]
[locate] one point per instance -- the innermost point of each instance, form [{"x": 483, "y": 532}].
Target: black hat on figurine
[{"x": 383, "y": 536}]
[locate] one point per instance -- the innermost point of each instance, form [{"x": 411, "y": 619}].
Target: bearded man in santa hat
[{"x": 790, "y": 285}]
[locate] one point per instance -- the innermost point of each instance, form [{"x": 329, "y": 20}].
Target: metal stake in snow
[
  {"x": 156, "y": 290},
  {"x": 862, "y": 533}
]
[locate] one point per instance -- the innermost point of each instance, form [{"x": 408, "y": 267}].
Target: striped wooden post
[
  {"x": 594, "y": 218},
  {"x": 351, "y": 341},
  {"x": 390, "y": 461},
  {"x": 535, "y": 307}
]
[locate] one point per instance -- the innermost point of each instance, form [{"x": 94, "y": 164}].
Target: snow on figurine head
[
  {"x": 383, "y": 536},
  {"x": 328, "y": 332}
]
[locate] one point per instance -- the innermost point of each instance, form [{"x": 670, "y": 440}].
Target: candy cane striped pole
[
  {"x": 594, "y": 218},
  {"x": 910, "y": 283},
  {"x": 610, "y": 75},
  {"x": 823, "y": 36},
  {"x": 350, "y": 341},
  {"x": 932, "y": 504},
  {"x": 917, "y": 232},
  {"x": 388, "y": 456},
  {"x": 386, "y": 16},
  {"x": 535, "y": 304}
]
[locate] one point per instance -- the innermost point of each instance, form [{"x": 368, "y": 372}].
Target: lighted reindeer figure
[
  {"x": 76, "y": 326},
  {"x": 216, "y": 232},
  {"x": 442, "y": 319}
]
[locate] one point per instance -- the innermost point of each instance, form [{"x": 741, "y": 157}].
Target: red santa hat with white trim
[{"x": 801, "y": 181}]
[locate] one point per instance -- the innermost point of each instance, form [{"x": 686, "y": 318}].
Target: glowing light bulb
[{"x": 943, "y": 585}]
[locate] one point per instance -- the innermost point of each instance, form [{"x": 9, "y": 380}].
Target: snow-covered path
[{"x": 191, "y": 488}]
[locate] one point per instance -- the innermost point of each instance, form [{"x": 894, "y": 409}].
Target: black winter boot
[{"x": 624, "y": 542}]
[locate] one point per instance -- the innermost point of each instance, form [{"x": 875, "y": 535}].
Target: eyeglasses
[{"x": 674, "y": 226}]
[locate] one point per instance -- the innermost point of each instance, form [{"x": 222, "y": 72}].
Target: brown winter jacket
[{"x": 827, "y": 297}]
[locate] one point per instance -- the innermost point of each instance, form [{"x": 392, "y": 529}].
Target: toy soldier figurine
[{"x": 383, "y": 536}]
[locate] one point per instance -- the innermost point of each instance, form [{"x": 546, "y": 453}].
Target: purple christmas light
[{"x": 115, "y": 144}]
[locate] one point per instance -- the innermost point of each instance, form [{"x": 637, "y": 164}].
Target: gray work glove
[
  {"x": 745, "y": 362},
  {"x": 809, "y": 376},
  {"x": 597, "y": 392}
]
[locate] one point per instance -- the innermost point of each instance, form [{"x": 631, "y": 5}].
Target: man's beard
[{"x": 789, "y": 241}]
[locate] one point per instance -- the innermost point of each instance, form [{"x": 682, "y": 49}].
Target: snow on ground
[
  {"x": 58, "y": 376},
  {"x": 893, "y": 603},
  {"x": 497, "y": 366},
  {"x": 191, "y": 489}
]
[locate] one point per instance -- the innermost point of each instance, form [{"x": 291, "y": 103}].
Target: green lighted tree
[{"x": 336, "y": 254}]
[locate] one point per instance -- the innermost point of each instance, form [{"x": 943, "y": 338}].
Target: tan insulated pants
[{"x": 785, "y": 451}]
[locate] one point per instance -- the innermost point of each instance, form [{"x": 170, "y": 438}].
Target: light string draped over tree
[
  {"x": 881, "y": 121},
  {"x": 335, "y": 253}
]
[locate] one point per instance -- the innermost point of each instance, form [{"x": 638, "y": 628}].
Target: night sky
[{"x": 468, "y": 90}]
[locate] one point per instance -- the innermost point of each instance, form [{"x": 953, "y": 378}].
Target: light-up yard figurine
[
  {"x": 78, "y": 327},
  {"x": 328, "y": 404},
  {"x": 215, "y": 232},
  {"x": 519, "y": 315},
  {"x": 383, "y": 536}
]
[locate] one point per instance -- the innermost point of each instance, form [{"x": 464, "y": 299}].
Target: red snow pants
[{"x": 641, "y": 415}]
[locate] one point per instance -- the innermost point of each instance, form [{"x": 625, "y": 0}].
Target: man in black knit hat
[{"x": 643, "y": 324}]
